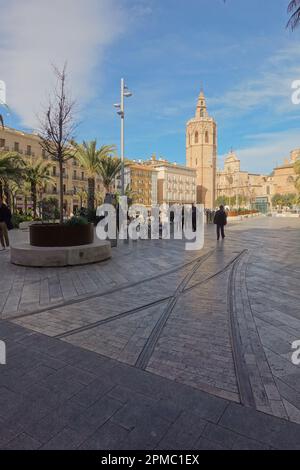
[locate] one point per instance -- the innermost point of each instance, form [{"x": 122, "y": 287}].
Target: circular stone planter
[
  {"x": 60, "y": 235},
  {"x": 24, "y": 254}
]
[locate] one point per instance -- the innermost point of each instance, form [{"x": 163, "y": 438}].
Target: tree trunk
[
  {"x": 61, "y": 191},
  {"x": 33, "y": 198},
  {"x": 91, "y": 194},
  {"x": 1, "y": 189}
]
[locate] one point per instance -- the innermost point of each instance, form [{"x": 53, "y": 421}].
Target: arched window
[
  {"x": 290, "y": 180},
  {"x": 201, "y": 113},
  {"x": 196, "y": 138},
  {"x": 206, "y": 137}
]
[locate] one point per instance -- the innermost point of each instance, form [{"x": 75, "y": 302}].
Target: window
[
  {"x": 64, "y": 188},
  {"x": 82, "y": 175},
  {"x": 16, "y": 147},
  {"x": 28, "y": 151},
  {"x": 206, "y": 137},
  {"x": 54, "y": 171},
  {"x": 74, "y": 174},
  {"x": 44, "y": 155},
  {"x": 196, "y": 138},
  {"x": 2, "y": 142},
  {"x": 201, "y": 113}
]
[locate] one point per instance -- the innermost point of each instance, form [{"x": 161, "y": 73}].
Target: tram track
[
  {"x": 171, "y": 301},
  {"x": 96, "y": 295},
  {"x": 233, "y": 306},
  {"x": 243, "y": 382}
]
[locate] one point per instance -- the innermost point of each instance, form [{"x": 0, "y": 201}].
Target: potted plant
[{"x": 76, "y": 231}]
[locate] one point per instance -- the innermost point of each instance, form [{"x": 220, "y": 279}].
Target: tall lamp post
[
  {"x": 2, "y": 100},
  {"x": 125, "y": 93}
]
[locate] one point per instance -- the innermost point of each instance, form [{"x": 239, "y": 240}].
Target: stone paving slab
[
  {"x": 114, "y": 406},
  {"x": 203, "y": 324}
]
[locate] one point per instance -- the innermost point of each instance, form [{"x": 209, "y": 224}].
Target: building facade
[
  {"x": 284, "y": 176},
  {"x": 142, "y": 182},
  {"x": 241, "y": 187},
  {"x": 201, "y": 152},
  {"x": 75, "y": 180},
  {"x": 176, "y": 184},
  {"x": 255, "y": 189}
]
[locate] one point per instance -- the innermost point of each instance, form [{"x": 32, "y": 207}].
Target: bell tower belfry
[{"x": 201, "y": 152}]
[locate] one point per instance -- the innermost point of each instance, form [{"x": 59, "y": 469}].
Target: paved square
[{"x": 158, "y": 347}]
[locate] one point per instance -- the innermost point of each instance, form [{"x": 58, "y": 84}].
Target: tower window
[
  {"x": 196, "y": 138},
  {"x": 206, "y": 137}
]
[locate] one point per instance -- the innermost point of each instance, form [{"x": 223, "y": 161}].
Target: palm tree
[
  {"x": 109, "y": 168},
  {"x": 11, "y": 169},
  {"x": 99, "y": 198},
  {"x": 37, "y": 174},
  {"x": 90, "y": 158},
  {"x": 294, "y": 10},
  {"x": 129, "y": 193},
  {"x": 82, "y": 195},
  {"x": 14, "y": 190}
]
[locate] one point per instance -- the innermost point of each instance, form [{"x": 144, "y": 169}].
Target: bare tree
[{"x": 57, "y": 128}]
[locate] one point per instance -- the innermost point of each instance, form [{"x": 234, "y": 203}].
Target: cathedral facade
[{"x": 201, "y": 152}]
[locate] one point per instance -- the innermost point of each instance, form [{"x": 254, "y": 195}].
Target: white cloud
[
  {"x": 38, "y": 33},
  {"x": 271, "y": 87}
]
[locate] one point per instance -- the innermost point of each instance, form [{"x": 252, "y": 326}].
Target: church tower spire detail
[{"x": 201, "y": 110}]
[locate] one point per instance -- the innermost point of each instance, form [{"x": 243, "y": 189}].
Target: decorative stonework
[{"x": 201, "y": 152}]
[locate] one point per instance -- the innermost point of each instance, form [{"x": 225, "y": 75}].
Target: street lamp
[
  {"x": 3, "y": 101},
  {"x": 125, "y": 93}
]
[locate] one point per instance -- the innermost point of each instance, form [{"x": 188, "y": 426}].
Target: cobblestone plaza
[{"x": 158, "y": 348}]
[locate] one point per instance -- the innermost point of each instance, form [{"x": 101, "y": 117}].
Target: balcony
[{"x": 78, "y": 178}]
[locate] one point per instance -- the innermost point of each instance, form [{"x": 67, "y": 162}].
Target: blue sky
[{"x": 239, "y": 51}]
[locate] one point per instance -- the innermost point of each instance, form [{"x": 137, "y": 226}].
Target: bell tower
[{"x": 201, "y": 152}]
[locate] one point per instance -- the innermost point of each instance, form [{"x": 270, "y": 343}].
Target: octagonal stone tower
[{"x": 201, "y": 152}]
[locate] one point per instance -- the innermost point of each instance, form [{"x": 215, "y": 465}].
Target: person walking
[
  {"x": 220, "y": 220},
  {"x": 194, "y": 217},
  {"x": 5, "y": 224}
]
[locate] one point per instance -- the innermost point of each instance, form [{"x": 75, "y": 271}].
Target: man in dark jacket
[
  {"x": 220, "y": 221},
  {"x": 5, "y": 223}
]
